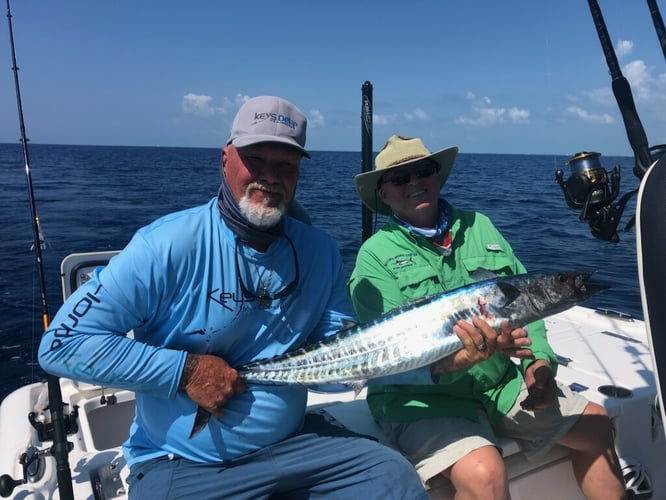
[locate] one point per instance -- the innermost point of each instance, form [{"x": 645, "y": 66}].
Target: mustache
[{"x": 262, "y": 186}]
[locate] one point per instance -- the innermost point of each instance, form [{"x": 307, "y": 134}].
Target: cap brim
[
  {"x": 248, "y": 140},
  {"x": 366, "y": 183}
]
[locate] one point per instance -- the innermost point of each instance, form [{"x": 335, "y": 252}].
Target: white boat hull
[{"x": 606, "y": 357}]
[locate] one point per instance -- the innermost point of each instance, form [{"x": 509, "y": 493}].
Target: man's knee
[{"x": 481, "y": 473}]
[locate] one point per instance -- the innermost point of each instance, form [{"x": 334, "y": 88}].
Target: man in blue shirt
[{"x": 204, "y": 290}]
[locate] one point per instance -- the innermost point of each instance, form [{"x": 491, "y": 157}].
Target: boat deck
[{"x": 605, "y": 357}]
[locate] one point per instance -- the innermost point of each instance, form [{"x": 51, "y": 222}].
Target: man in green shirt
[{"x": 450, "y": 426}]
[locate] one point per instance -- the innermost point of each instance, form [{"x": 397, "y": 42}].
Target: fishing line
[{"x": 60, "y": 448}]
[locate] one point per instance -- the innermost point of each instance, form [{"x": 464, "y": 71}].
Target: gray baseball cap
[{"x": 269, "y": 119}]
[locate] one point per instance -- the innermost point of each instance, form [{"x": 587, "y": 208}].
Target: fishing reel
[{"x": 588, "y": 189}]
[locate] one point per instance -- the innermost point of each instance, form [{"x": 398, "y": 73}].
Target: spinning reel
[{"x": 588, "y": 189}]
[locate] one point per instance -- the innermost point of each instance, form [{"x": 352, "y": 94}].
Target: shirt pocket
[
  {"x": 498, "y": 264},
  {"x": 418, "y": 281}
]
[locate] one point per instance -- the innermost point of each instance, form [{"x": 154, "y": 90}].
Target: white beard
[{"x": 261, "y": 215}]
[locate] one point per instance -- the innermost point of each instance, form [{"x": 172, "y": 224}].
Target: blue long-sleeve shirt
[{"x": 176, "y": 286}]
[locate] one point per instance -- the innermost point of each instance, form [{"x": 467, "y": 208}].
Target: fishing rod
[
  {"x": 658, "y": 24},
  {"x": 60, "y": 448},
  {"x": 623, "y": 96},
  {"x": 588, "y": 187},
  {"x": 366, "y": 152}
]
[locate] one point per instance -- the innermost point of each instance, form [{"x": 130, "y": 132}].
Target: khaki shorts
[{"x": 434, "y": 445}]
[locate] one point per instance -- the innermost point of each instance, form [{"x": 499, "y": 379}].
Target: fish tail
[{"x": 200, "y": 421}]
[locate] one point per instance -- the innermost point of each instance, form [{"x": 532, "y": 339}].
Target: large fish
[{"x": 418, "y": 333}]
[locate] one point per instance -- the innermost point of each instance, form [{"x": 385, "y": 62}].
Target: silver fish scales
[
  {"x": 420, "y": 332},
  {"x": 408, "y": 337}
]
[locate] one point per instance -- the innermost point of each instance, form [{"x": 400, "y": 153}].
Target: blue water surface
[{"x": 92, "y": 198}]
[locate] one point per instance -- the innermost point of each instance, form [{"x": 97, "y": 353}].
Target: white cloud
[
  {"x": 379, "y": 119},
  {"x": 643, "y": 85},
  {"x": 316, "y": 119},
  {"x": 416, "y": 114},
  {"x": 600, "y": 96},
  {"x": 517, "y": 115},
  {"x": 604, "y": 118},
  {"x": 202, "y": 105},
  {"x": 485, "y": 115},
  {"x": 240, "y": 99},
  {"x": 646, "y": 88},
  {"x": 197, "y": 104},
  {"x": 624, "y": 48}
]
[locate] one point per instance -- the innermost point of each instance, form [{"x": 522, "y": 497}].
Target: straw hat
[{"x": 399, "y": 152}]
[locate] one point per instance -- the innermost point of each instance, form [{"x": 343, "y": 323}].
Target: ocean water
[{"x": 92, "y": 198}]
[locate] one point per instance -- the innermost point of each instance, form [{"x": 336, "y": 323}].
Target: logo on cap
[{"x": 276, "y": 118}]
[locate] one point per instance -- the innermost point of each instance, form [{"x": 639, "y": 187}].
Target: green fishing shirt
[{"x": 395, "y": 266}]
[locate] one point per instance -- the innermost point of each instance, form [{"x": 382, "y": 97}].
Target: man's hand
[
  {"x": 210, "y": 382},
  {"x": 479, "y": 343},
  {"x": 541, "y": 386},
  {"x": 514, "y": 343}
]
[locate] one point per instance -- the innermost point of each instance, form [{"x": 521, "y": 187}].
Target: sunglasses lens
[
  {"x": 424, "y": 171},
  {"x": 400, "y": 178},
  {"x": 403, "y": 177}
]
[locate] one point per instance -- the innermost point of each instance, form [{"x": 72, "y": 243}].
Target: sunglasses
[
  {"x": 402, "y": 177},
  {"x": 266, "y": 299}
]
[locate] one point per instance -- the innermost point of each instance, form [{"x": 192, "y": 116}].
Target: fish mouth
[
  {"x": 562, "y": 290},
  {"x": 579, "y": 281},
  {"x": 589, "y": 289}
]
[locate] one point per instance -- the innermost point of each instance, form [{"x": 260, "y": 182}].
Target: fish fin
[
  {"x": 510, "y": 292},
  {"x": 357, "y": 386},
  {"x": 483, "y": 274},
  {"x": 331, "y": 388},
  {"x": 200, "y": 421},
  {"x": 349, "y": 385},
  {"x": 347, "y": 324}
]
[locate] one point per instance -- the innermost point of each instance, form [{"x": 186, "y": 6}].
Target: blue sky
[{"x": 512, "y": 76}]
